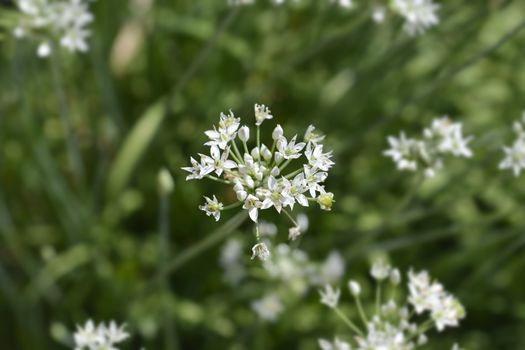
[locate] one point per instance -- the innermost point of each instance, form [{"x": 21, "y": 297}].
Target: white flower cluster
[
  {"x": 392, "y": 327},
  {"x": 442, "y": 138},
  {"x": 99, "y": 337},
  {"x": 257, "y": 175},
  {"x": 63, "y": 20},
  {"x": 419, "y": 15},
  {"x": 515, "y": 154}
]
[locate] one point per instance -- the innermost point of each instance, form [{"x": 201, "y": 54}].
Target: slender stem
[
  {"x": 245, "y": 147},
  {"x": 232, "y": 206},
  {"x": 293, "y": 173},
  {"x": 361, "y": 311},
  {"x": 236, "y": 150},
  {"x": 273, "y": 146},
  {"x": 257, "y": 233},
  {"x": 347, "y": 321},
  {"x": 285, "y": 164},
  {"x": 235, "y": 158},
  {"x": 378, "y": 297},
  {"x": 259, "y": 137},
  {"x": 164, "y": 228},
  {"x": 214, "y": 178},
  {"x": 290, "y": 217},
  {"x": 71, "y": 142},
  {"x": 209, "y": 241}
]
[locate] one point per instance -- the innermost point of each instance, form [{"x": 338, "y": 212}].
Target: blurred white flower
[
  {"x": 268, "y": 308},
  {"x": 261, "y": 251},
  {"x": 330, "y": 296},
  {"x": 380, "y": 270},
  {"x": 231, "y": 262},
  {"x": 63, "y": 21},
  {"x": 101, "y": 337},
  {"x": 419, "y": 15},
  {"x": 337, "y": 344},
  {"x": 515, "y": 154},
  {"x": 442, "y": 138}
]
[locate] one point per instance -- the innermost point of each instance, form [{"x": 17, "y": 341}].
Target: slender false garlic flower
[
  {"x": 393, "y": 326},
  {"x": 48, "y": 21},
  {"x": 99, "y": 337},
  {"x": 259, "y": 175},
  {"x": 442, "y": 138},
  {"x": 419, "y": 15},
  {"x": 515, "y": 154}
]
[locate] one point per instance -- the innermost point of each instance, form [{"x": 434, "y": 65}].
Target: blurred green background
[{"x": 80, "y": 238}]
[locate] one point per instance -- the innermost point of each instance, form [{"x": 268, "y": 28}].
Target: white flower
[
  {"x": 219, "y": 162},
  {"x": 403, "y": 151},
  {"x": 268, "y": 308},
  {"x": 197, "y": 170},
  {"x": 330, "y": 296},
  {"x": 212, "y": 207},
  {"x": 380, "y": 270},
  {"x": 447, "y": 313},
  {"x": 253, "y": 204},
  {"x": 261, "y": 251},
  {"x": 337, "y": 344},
  {"x": 379, "y": 14},
  {"x": 355, "y": 287},
  {"x": 395, "y": 276},
  {"x": 294, "y": 232},
  {"x": 44, "y": 49},
  {"x": 514, "y": 157},
  {"x": 93, "y": 337},
  {"x": 231, "y": 262},
  {"x": 277, "y": 133},
  {"x": 290, "y": 150},
  {"x": 316, "y": 157},
  {"x": 262, "y": 113},
  {"x": 419, "y": 15},
  {"x": 333, "y": 267},
  {"x": 312, "y": 136}
]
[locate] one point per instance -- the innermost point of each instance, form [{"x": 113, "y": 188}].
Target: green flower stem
[
  {"x": 290, "y": 217},
  {"x": 347, "y": 321},
  {"x": 232, "y": 206},
  {"x": 259, "y": 137},
  {"x": 361, "y": 311},
  {"x": 378, "y": 297},
  {"x": 214, "y": 178},
  {"x": 71, "y": 142},
  {"x": 236, "y": 151},
  {"x": 293, "y": 173},
  {"x": 245, "y": 147},
  {"x": 200, "y": 247},
  {"x": 285, "y": 164},
  {"x": 170, "y": 340}
]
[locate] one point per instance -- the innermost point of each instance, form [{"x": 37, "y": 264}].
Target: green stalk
[
  {"x": 71, "y": 142},
  {"x": 347, "y": 321},
  {"x": 200, "y": 247}
]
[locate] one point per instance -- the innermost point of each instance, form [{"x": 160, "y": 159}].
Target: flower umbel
[
  {"x": 392, "y": 326},
  {"x": 442, "y": 138},
  {"x": 258, "y": 174},
  {"x": 99, "y": 337},
  {"x": 63, "y": 21}
]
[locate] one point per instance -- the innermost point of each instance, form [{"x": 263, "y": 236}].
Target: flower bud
[
  {"x": 255, "y": 153},
  {"x": 275, "y": 171},
  {"x": 265, "y": 152},
  {"x": 277, "y": 132},
  {"x": 354, "y": 287},
  {"x": 278, "y": 158},
  {"x": 165, "y": 182},
  {"x": 380, "y": 270},
  {"x": 244, "y": 133},
  {"x": 326, "y": 200},
  {"x": 395, "y": 277}
]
